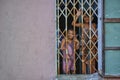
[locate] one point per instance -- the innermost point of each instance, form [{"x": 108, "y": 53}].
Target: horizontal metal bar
[
  {"x": 111, "y": 19},
  {"x": 112, "y": 48}
]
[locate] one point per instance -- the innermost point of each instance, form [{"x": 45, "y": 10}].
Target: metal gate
[{"x": 86, "y": 57}]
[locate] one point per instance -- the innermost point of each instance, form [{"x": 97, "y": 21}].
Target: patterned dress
[{"x": 68, "y": 64}]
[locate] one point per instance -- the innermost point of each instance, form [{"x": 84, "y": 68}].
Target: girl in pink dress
[{"x": 67, "y": 47}]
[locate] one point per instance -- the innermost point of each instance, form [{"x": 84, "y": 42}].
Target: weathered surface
[{"x": 79, "y": 77}]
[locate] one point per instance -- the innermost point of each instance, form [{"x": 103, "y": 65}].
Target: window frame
[
  {"x": 101, "y": 39},
  {"x": 107, "y": 20}
]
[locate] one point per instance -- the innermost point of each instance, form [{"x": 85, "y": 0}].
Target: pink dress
[{"x": 69, "y": 63}]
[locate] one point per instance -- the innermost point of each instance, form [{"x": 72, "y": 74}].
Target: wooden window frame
[{"x": 107, "y": 20}]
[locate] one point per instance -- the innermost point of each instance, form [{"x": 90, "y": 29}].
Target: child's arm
[
  {"x": 94, "y": 38},
  {"x": 94, "y": 26},
  {"x": 75, "y": 20},
  {"x": 62, "y": 47},
  {"x": 76, "y": 43}
]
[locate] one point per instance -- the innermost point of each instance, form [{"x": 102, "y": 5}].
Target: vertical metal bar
[
  {"x": 58, "y": 61},
  {"x": 100, "y": 37},
  {"x": 66, "y": 34},
  {"x": 90, "y": 29},
  {"x": 82, "y": 41},
  {"x": 80, "y": 37},
  {"x": 74, "y": 35}
]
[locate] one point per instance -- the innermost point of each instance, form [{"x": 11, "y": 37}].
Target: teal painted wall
[
  {"x": 112, "y": 8},
  {"x": 112, "y": 38}
]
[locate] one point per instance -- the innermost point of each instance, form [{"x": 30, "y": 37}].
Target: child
[
  {"x": 67, "y": 46},
  {"x": 85, "y": 26}
]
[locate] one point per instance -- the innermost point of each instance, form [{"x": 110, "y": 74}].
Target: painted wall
[{"x": 27, "y": 39}]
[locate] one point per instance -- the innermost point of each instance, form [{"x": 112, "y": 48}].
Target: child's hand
[
  {"x": 67, "y": 56},
  {"x": 76, "y": 43},
  {"x": 63, "y": 48},
  {"x": 75, "y": 39},
  {"x": 79, "y": 12}
]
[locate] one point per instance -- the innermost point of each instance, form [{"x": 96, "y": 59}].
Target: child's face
[
  {"x": 70, "y": 34},
  {"x": 86, "y": 19}
]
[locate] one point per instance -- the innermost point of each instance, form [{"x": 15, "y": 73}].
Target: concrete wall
[{"x": 27, "y": 39}]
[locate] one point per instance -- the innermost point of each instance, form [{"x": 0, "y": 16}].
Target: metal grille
[{"x": 86, "y": 57}]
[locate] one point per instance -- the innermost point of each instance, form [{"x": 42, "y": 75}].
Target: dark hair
[{"x": 70, "y": 29}]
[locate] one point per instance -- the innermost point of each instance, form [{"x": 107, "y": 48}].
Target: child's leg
[
  {"x": 66, "y": 66},
  {"x": 72, "y": 67}
]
